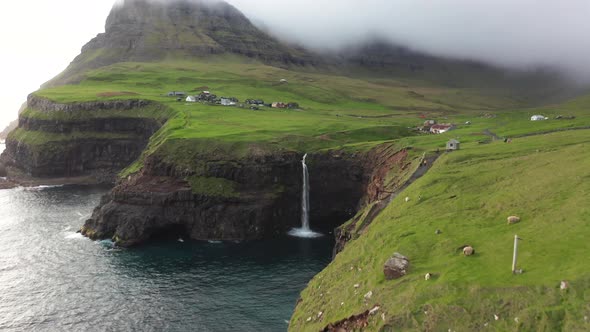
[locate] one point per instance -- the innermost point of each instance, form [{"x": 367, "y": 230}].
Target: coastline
[{"x": 15, "y": 179}]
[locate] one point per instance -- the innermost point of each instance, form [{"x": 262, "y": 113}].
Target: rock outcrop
[
  {"x": 161, "y": 201},
  {"x": 396, "y": 266},
  {"x": 64, "y": 146},
  {"x": 388, "y": 169}
]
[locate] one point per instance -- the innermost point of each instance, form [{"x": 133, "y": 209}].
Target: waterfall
[
  {"x": 305, "y": 230},
  {"x": 305, "y": 197}
]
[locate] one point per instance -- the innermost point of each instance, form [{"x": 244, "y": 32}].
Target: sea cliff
[
  {"x": 247, "y": 198},
  {"x": 95, "y": 139}
]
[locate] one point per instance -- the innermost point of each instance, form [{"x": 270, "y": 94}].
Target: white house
[
  {"x": 191, "y": 99},
  {"x": 441, "y": 128},
  {"x": 538, "y": 118}
]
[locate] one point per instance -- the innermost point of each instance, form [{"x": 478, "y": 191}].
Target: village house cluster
[
  {"x": 430, "y": 126},
  {"x": 210, "y": 98}
]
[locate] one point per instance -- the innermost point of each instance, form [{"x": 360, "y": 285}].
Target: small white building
[
  {"x": 538, "y": 118},
  {"x": 453, "y": 145},
  {"x": 191, "y": 99}
]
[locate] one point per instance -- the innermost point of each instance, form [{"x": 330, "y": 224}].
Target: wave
[
  {"x": 74, "y": 236},
  {"x": 107, "y": 243}
]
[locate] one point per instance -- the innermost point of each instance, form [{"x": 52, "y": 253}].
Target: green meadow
[{"x": 541, "y": 175}]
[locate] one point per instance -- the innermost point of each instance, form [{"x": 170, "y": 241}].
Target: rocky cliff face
[
  {"x": 160, "y": 202},
  {"x": 75, "y": 152}
]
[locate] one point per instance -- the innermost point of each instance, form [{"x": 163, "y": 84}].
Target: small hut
[{"x": 453, "y": 145}]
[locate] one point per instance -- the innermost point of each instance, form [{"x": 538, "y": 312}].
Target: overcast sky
[{"x": 40, "y": 37}]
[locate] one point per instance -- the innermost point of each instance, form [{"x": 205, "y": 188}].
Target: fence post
[{"x": 515, "y": 254}]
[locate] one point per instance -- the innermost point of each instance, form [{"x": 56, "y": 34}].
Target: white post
[{"x": 514, "y": 254}]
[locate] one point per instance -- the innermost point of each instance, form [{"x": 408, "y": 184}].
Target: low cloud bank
[{"x": 512, "y": 33}]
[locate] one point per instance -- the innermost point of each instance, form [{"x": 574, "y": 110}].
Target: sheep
[
  {"x": 563, "y": 285},
  {"x": 468, "y": 251},
  {"x": 513, "y": 220}
]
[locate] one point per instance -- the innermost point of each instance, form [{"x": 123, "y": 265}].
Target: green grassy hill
[
  {"x": 468, "y": 195},
  {"x": 336, "y": 111},
  {"x": 335, "y": 103}
]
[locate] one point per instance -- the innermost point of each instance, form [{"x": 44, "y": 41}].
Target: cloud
[{"x": 514, "y": 33}]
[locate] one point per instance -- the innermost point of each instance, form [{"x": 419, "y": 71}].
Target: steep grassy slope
[
  {"x": 339, "y": 109},
  {"x": 336, "y": 111},
  {"x": 467, "y": 195}
]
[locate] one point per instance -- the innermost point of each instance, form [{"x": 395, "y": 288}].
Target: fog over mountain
[{"x": 514, "y": 33}]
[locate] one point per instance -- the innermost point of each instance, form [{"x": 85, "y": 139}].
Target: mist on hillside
[{"x": 512, "y": 33}]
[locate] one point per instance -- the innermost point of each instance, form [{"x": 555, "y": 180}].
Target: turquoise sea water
[{"x": 52, "y": 279}]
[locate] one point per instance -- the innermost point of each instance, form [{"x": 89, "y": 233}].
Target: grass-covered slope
[
  {"x": 335, "y": 110},
  {"x": 468, "y": 195}
]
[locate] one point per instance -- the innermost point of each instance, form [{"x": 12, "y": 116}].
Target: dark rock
[
  {"x": 396, "y": 266},
  {"x": 267, "y": 203},
  {"x": 101, "y": 158},
  {"x": 377, "y": 164}
]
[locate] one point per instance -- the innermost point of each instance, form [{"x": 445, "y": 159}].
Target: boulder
[
  {"x": 396, "y": 266},
  {"x": 513, "y": 220}
]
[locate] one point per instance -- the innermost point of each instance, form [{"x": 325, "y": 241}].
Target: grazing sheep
[
  {"x": 407, "y": 199},
  {"x": 468, "y": 251},
  {"x": 564, "y": 285},
  {"x": 427, "y": 276},
  {"x": 513, "y": 220}
]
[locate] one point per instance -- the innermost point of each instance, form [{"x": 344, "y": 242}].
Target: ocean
[{"x": 53, "y": 279}]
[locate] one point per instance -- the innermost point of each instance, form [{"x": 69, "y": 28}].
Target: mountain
[
  {"x": 207, "y": 171},
  {"x": 148, "y": 31}
]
